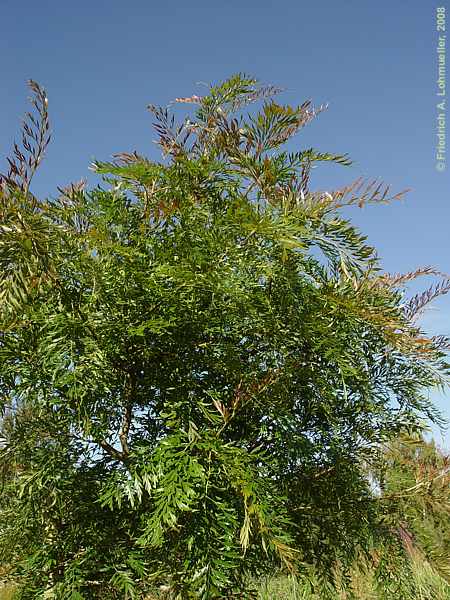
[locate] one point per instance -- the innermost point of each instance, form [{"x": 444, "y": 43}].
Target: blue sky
[{"x": 374, "y": 63}]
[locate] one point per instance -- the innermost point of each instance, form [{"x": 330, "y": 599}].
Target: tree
[
  {"x": 198, "y": 359},
  {"x": 414, "y": 476}
]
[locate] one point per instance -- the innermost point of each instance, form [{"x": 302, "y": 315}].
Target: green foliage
[
  {"x": 415, "y": 483},
  {"x": 425, "y": 585},
  {"x": 198, "y": 359}
]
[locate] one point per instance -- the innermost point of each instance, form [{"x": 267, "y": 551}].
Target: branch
[
  {"x": 35, "y": 138},
  {"x": 124, "y": 430},
  {"x": 113, "y": 452}
]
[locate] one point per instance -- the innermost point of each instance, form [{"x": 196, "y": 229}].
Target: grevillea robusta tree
[{"x": 199, "y": 359}]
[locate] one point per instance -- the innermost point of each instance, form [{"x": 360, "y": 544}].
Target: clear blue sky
[{"x": 373, "y": 62}]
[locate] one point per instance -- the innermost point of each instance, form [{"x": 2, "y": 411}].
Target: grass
[
  {"x": 430, "y": 587},
  {"x": 6, "y": 592}
]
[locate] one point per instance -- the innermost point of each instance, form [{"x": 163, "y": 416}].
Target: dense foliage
[
  {"x": 199, "y": 359},
  {"x": 415, "y": 486}
]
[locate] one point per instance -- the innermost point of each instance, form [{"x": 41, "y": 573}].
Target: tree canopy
[{"x": 200, "y": 360}]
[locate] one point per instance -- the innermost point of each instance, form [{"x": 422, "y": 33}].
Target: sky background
[{"x": 375, "y": 64}]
